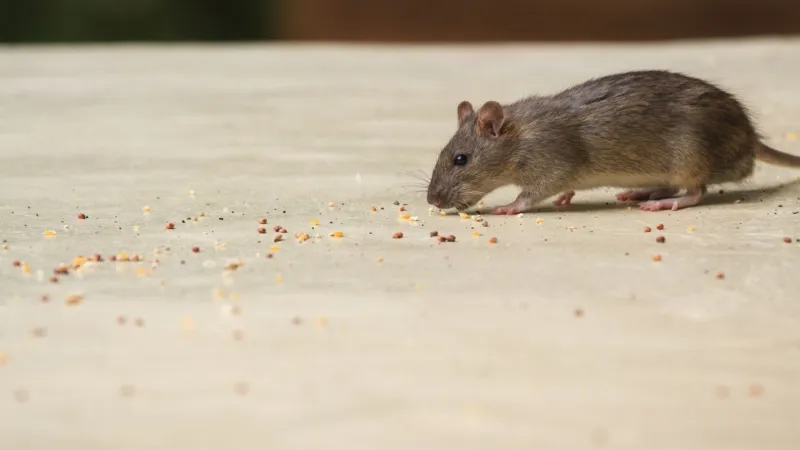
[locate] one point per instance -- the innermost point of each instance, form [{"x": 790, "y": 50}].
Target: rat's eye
[{"x": 460, "y": 159}]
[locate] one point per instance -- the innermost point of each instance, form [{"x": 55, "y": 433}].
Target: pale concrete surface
[{"x": 459, "y": 346}]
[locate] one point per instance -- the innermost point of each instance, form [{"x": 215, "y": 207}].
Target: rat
[{"x": 660, "y": 136}]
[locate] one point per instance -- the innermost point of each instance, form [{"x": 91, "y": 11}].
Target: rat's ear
[
  {"x": 464, "y": 110},
  {"x": 491, "y": 118}
]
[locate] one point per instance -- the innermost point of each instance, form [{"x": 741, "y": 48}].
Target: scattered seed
[
  {"x": 402, "y": 208},
  {"x": 49, "y": 233},
  {"x": 380, "y": 260},
  {"x": 656, "y": 257},
  {"x": 170, "y": 226},
  {"x": 451, "y": 238},
  {"x": 442, "y": 239},
  {"x": 720, "y": 276},
  {"x": 196, "y": 249},
  {"x": 485, "y": 223},
  {"x": 661, "y": 239},
  {"x": 647, "y": 229},
  {"x": 463, "y": 215},
  {"x": 493, "y": 240},
  {"x": 145, "y": 209},
  {"x": 54, "y": 279},
  {"x": 660, "y": 226},
  {"x": 475, "y": 234},
  {"x": 74, "y": 299},
  {"x": 434, "y": 233},
  {"x": 405, "y": 216},
  {"x": 331, "y": 204},
  {"x": 277, "y": 238},
  {"x": 282, "y": 230},
  {"x": 262, "y": 221},
  {"x": 396, "y": 203},
  {"x": 578, "y": 313},
  {"x": 787, "y": 240},
  {"x": 690, "y": 228},
  {"x": 16, "y": 263},
  {"x": 139, "y": 322},
  {"x": 121, "y": 320},
  {"x": 61, "y": 270},
  {"x": 337, "y": 234},
  {"x": 373, "y": 209},
  {"x": 261, "y": 230},
  {"x": 81, "y": 216},
  {"x": 755, "y": 390},
  {"x": 397, "y": 235}
]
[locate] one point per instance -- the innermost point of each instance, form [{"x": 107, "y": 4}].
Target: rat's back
[{"x": 661, "y": 122}]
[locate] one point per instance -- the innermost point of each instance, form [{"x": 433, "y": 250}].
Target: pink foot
[
  {"x": 646, "y": 194},
  {"x": 506, "y": 210},
  {"x": 565, "y": 199},
  {"x": 691, "y": 198}
]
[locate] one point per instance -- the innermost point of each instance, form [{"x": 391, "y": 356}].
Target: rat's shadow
[{"x": 712, "y": 198}]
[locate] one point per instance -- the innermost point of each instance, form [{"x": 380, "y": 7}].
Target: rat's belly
[{"x": 623, "y": 180}]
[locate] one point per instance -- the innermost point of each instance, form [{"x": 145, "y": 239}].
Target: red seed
[
  {"x": 282, "y": 230},
  {"x": 660, "y": 226},
  {"x": 81, "y": 216},
  {"x": 262, "y": 221},
  {"x": 451, "y": 238},
  {"x": 276, "y": 228},
  {"x": 660, "y": 239},
  {"x": 493, "y": 240},
  {"x": 647, "y": 229},
  {"x": 720, "y": 276},
  {"x": 61, "y": 270},
  {"x": 97, "y": 257},
  {"x": 787, "y": 240},
  {"x": 397, "y": 235},
  {"x": 196, "y": 249},
  {"x": 170, "y": 226},
  {"x": 16, "y": 263},
  {"x": 442, "y": 239},
  {"x": 434, "y": 233},
  {"x": 656, "y": 257},
  {"x": 262, "y": 230}
]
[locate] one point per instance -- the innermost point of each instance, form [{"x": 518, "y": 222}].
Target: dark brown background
[{"x": 547, "y": 20}]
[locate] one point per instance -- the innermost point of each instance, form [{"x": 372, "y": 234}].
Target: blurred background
[{"x": 43, "y": 21}]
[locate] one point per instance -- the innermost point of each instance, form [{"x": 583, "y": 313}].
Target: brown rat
[{"x": 653, "y": 133}]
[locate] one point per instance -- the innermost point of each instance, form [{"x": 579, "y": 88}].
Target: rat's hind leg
[
  {"x": 691, "y": 198},
  {"x": 647, "y": 194},
  {"x": 565, "y": 199}
]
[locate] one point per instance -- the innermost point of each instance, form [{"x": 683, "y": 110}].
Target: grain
[
  {"x": 660, "y": 226},
  {"x": 81, "y": 216},
  {"x": 647, "y": 229},
  {"x": 493, "y": 240},
  {"x": 661, "y": 239},
  {"x": 451, "y": 238},
  {"x": 397, "y": 235},
  {"x": 170, "y": 226}
]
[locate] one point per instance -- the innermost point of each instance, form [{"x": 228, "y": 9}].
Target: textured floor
[{"x": 563, "y": 334}]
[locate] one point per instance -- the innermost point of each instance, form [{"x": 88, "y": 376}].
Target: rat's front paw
[
  {"x": 565, "y": 199},
  {"x": 509, "y": 210}
]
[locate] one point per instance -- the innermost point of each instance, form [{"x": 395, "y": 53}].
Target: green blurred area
[{"x": 39, "y": 21}]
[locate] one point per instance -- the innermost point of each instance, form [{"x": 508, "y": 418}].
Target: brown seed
[
  {"x": 81, "y": 216},
  {"x": 277, "y": 238},
  {"x": 434, "y": 233},
  {"x": 660, "y": 226},
  {"x": 262, "y": 221},
  {"x": 756, "y": 390},
  {"x": 122, "y": 320},
  {"x": 720, "y": 276},
  {"x": 647, "y": 229},
  {"x": 276, "y": 228},
  {"x": 493, "y": 240},
  {"x": 196, "y": 249},
  {"x": 127, "y": 391},
  {"x": 261, "y": 230},
  {"x": 112, "y": 258},
  {"x": 485, "y": 223},
  {"x": 61, "y": 270},
  {"x": 16, "y": 263},
  {"x": 97, "y": 257},
  {"x": 282, "y": 230},
  {"x": 73, "y": 300},
  {"x": 442, "y": 239},
  {"x": 170, "y": 226},
  {"x": 656, "y": 257},
  {"x": 397, "y": 235},
  {"x": 241, "y": 388},
  {"x": 451, "y": 238},
  {"x": 373, "y": 209},
  {"x": 54, "y": 279},
  {"x": 787, "y": 240},
  {"x": 660, "y": 239},
  {"x": 44, "y": 298},
  {"x": 578, "y": 313},
  {"x": 21, "y": 395}
]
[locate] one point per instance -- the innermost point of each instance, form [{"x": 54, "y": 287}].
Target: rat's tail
[{"x": 771, "y": 156}]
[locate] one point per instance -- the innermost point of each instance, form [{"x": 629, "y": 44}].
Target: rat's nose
[{"x": 434, "y": 198}]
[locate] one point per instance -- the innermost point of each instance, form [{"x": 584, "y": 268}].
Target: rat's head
[{"x": 473, "y": 163}]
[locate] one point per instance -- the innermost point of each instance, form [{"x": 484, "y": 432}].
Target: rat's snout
[{"x": 436, "y": 196}]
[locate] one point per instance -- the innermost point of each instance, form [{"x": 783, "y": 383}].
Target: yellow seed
[
  {"x": 218, "y": 293},
  {"x": 74, "y": 300},
  {"x": 145, "y": 209},
  {"x": 314, "y": 222},
  {"x": 405, "y": 216},
  {"x": 475, "y": 233},
  {"x": 79, "y": 261},
  {"x": 141, "y": 271},
  {"x": 337, "y": 234},
  {"x": 279, "y": 279},
  {"x": 274, "y": 248},
  {"x": 49, "y": 233},
  {"x": 322, "y": 322},
  {"x": 442, "y": 213},
  {"x": 122, "y": 257},
  {"x": 191, "y": 192},
  {"x": 380, "y": 260},
  {"x": 690, "y": 228},
  {"x": 463, "y": 215},
  {"x": 331, "y": 204},
  {"x": 539, "y": 221},
  {"x": 3, "y": 357},
  {"x": 26, "y": 268}
]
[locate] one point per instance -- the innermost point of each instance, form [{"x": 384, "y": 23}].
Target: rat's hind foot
[
  {"x": 691, "y": 198},
  {"x": 565, "y": 199},
  {"x": 646, "y": 194}
]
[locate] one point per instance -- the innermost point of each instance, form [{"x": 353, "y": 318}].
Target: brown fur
[{"x": 642, "y": 129}]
